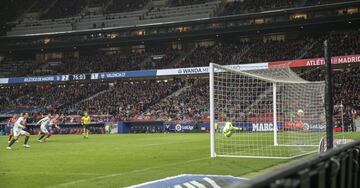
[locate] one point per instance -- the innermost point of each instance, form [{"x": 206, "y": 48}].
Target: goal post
[
  {"x": 212, "y": 111},
  {"x": 264, "y": 113}
]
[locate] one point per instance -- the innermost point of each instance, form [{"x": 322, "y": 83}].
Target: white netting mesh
[{"x": 246, "y": 99}]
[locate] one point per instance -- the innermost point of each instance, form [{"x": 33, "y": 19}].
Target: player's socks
[
  {"x": 41, "y": 136},
  {"x": 12, "y": 142},
  {"x": 26, "y": 140},
  {"x": 10, "y": 137},
  {"x": 84, "y": 133},
  {"x": 48, "y": 136}
]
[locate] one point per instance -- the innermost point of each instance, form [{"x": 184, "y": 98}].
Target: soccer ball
[{"x": 300, "y": 113}]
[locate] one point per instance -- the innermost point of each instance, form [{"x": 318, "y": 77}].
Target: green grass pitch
[{"x": 117, "y": 160}]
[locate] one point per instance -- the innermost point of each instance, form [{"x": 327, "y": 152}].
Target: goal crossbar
[{"x": 247, "y": 73}]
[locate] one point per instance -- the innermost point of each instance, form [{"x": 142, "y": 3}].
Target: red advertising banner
[{"x": 317, "y": 61}]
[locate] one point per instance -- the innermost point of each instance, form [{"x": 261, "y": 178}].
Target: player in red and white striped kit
[{"x": 10, "y": 126}]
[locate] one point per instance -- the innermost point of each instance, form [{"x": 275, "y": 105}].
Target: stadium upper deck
[
  {"x": 43, "y": 16},
  {"x": 230, "y": 50}
]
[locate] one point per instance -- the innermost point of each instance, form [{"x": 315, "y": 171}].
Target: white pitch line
[
  {"x": 188, "y": 185},
  {"x": 124, "y": 173},
  {"x": 155, "y": 181},
  {"x": 197, "y": 184},
  {"x": 212, "y": 182},
  {"x": 178, "y": 186}
]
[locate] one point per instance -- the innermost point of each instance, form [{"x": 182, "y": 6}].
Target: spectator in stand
[
  {"x": 187, "y": 2},
  {"x": 64, "y": 8},
  {"x": 153, "y": 58},
  {"x": 46, "y": 98},
  {"x": 222, "y": 52},
  {"x": 130, "y": 99},
  {"x": 250, "y": 6},
  {"x": 127, "y": 5},
  {"x": 191, "y": 104},
  {"x": 346, "y": 93}
]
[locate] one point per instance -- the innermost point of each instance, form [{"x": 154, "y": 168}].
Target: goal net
[{"x": 264, "y": 113}]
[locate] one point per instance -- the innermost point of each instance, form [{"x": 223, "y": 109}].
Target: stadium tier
[
  {"x": 260, "y": 49},
  {"x": 62, "y": 16},
  {"x": 173, "y": 100}
]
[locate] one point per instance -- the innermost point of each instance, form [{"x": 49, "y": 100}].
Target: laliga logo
[
  {"x": 306, "y": 126},
  {"x": 178, "y": 127}
]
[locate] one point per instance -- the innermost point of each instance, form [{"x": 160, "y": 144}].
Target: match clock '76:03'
[{"x": 80, "y": 77}]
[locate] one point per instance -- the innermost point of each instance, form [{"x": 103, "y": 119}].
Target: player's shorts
[
  {"x": 8, "y": 130},
  {"x": 20, "y": 132},
  {"x": 86, "y": 127},
  {"x": 49, "y": 128},
  {"x": 43, "y": 129}
]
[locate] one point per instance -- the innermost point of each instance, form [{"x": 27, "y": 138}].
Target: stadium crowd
[
  {"x": 342, "y": 43},
  {"x": 129, "y": 100},
  {"x": 186, "y": 2},
  {"x": 155, "y": 100},
  {"x": 190, "y": 104},
  {"x": 64, "y": 8},
  {"x": 246, "y": 52},
  {"x": 127, "y": 5},
  {"x": 153, "y": 58},
  {"x": 222, "y": 52},
  {"x": 346, "y": 93},
  {"x": 148, "y": 99},
  {"x": 250, "y": 6},
  {"x": 12, "y": 9},
  {"x": 45, "y": 98}
]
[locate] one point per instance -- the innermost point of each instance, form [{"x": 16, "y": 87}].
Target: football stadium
[{"x": 180, "y": 93}]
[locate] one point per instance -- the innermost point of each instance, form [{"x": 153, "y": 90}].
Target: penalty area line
[{"x": 124, "y": 173}]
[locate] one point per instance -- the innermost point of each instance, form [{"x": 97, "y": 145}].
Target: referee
[{"x": 85, "y": 122}]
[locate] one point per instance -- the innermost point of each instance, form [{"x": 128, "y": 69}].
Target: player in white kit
[
  {"x": 46, "y": 123},
  {"x": 18, "y": 131}
]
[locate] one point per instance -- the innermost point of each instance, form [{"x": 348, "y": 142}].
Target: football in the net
[{"x": 300, "y": 113}]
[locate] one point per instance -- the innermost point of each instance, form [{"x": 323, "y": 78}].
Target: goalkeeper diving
[{"x": 229, "y": 129}]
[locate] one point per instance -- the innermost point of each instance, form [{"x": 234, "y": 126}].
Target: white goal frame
[{"x": 212, "y": 71}]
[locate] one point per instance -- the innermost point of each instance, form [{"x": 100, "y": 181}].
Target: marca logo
[{"x": 262, "y": 127}]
